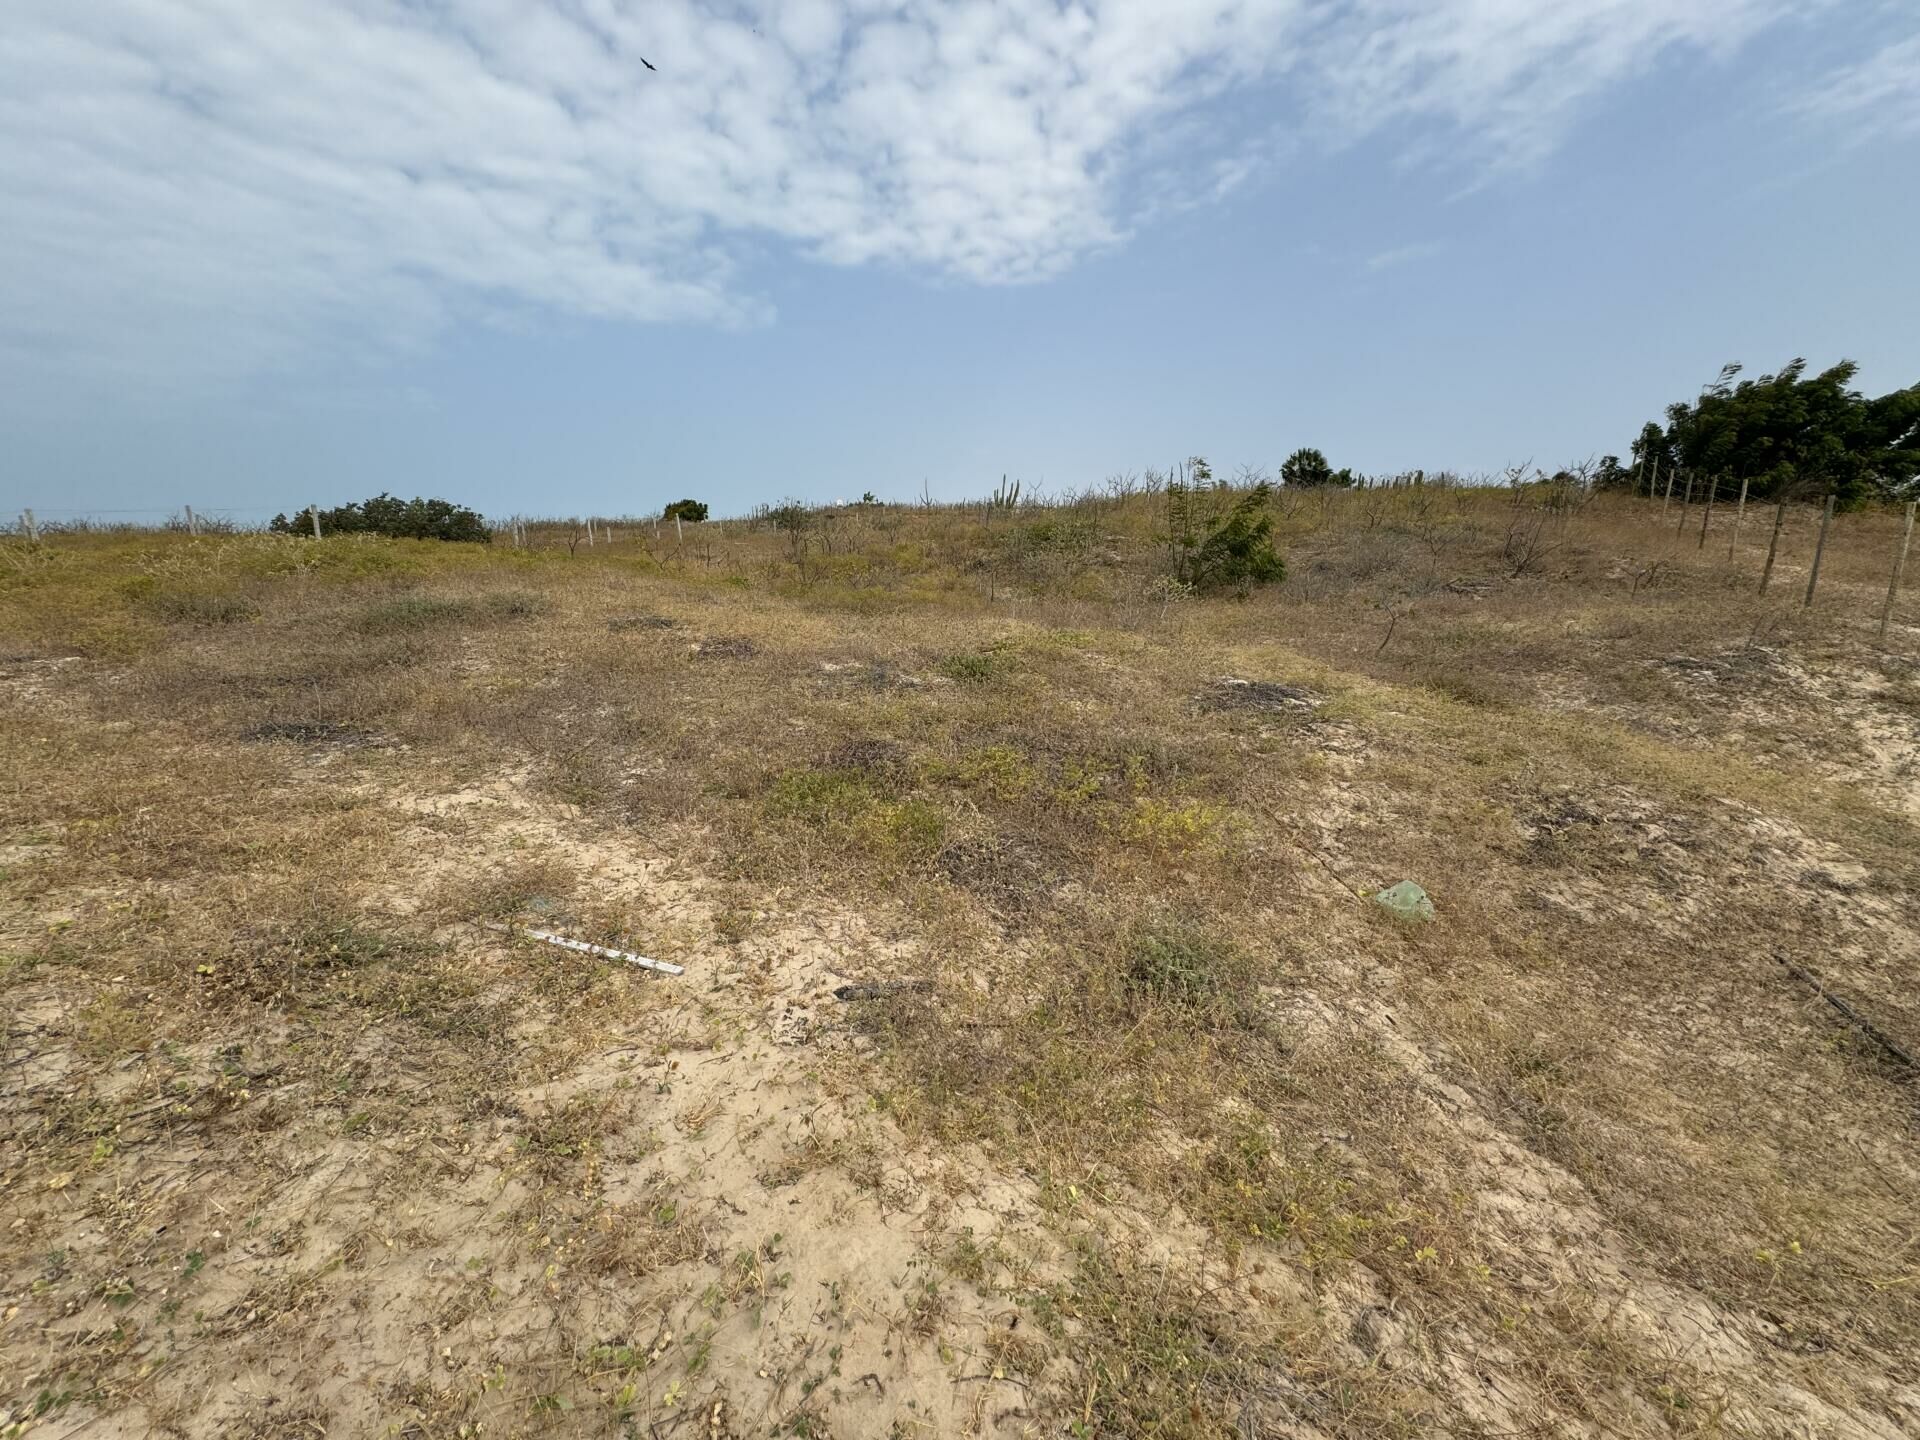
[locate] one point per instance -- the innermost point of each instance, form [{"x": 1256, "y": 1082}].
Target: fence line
[{"x": 523, "y": 533}]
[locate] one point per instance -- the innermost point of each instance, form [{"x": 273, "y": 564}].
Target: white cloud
[
  {"x": 1877, "y": 98},
  {"x": 1401, "y": 255},
  {"x": 209, "y": 189},
  {"x": 1505, "y": 76}
]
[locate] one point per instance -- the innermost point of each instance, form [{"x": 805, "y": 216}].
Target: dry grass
[{"x": 1191, "y": 1139}]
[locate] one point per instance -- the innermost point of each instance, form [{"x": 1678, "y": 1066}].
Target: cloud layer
[
  {"x": 1878, "y": 97},
  {"x": 213, "y": 188}
]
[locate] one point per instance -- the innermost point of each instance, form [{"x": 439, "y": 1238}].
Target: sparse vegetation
[
  {"x": 1136, "y": 1117},
  {"x": 418, "y": 612}
]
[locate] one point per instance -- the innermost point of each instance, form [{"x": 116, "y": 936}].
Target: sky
[{"x": 587, "y": 256}]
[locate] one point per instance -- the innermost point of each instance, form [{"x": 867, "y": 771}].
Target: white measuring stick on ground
[{"x": 645, "y": 963}]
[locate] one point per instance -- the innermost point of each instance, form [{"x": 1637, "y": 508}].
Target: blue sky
[{"x": 261, "y": 254}]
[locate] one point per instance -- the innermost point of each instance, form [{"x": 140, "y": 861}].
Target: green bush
[
  {"x": 974, "y": 667},
  {"x": 858, "y": 807},
  {"x": 1308, "y": 467},
  {"x": 1179, "y": 963},
  {"x": 415, "y": 519},
  {"x": 1176, "y": 964},
  {"x": 695, "y": 510},
  {"x": 821, "y": 796},
  {"x": 1239, "y": 552}
]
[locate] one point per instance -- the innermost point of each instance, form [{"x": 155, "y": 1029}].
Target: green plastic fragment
[{"x": 1407, "y": 900}]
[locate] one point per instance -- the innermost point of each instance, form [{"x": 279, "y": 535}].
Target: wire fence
[
  {"x": 39, "y": 521},
  {"x": 1685, "y": 519}
]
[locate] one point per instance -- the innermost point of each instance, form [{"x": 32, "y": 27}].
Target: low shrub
[{"x": 415, "y": 519}]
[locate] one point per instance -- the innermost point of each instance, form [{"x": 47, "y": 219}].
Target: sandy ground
[{"x": 698, "y": 1218}]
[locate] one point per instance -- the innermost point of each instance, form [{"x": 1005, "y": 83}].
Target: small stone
[{"x": 1407, "y": 900}]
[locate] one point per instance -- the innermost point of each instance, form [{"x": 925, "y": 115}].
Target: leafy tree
[
  {"x": 695, "y": 510},
  {"x": 1651, "y": 450},
  {"x": 1792, "y": 431},
  {"x": 1307, "y": 466},
  {"x": 384, "y": 514},
  {"x": 1610, "y": 474}
]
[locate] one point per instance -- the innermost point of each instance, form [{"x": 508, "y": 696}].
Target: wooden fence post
[
  {"x": 1706, "y": 516},
  {"x": 1685, "y": 500},
  {"x": 1819, "y": 549},
  {"x": 1668, "y": 502},
  {"x": 1773, "y": 545},
  {"x": 1739, "y": 514},
  {"x": 678, "y": 538},
  {"x": 315, "y": 512},
  {"x": 193, "y": 525},
  {"x": 1899, "y": 564},
  {"x": 33, "y": 526}
]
